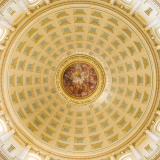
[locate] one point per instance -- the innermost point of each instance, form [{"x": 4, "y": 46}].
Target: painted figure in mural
[{"x": 80, "y": 79}]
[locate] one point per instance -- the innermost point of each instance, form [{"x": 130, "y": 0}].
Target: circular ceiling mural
[
  {"x": 89, "y": 101},
  {"x": 80, "y": 79}
]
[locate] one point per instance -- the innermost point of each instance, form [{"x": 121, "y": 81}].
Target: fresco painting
[{"x": 80, "y": 79}]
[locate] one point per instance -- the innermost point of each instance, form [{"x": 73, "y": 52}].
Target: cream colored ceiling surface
[
  {"x": 2, "y": 1},
  {"x": 125, "y": 103}
]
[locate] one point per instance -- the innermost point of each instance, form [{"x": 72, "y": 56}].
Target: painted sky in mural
[{"x": 80, "y": 79}]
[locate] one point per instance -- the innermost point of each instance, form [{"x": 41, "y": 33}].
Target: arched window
[
  {"x": 126, "y": 1},
  {"x": 33, "y": 2},
  {"x": 158, "y": 127},
  {"x": 126, "y": 157},
  {"x": 158, "y": 32},
  {"x": 33, "y": 157},
  {"x": 2, "y": 127},
  {"x": 2, "y": 33}
]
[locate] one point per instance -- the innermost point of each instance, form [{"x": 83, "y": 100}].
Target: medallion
[{"x": 80, "y": 79}]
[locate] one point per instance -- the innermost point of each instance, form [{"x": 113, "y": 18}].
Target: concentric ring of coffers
[{"x": 40, "y": 114}]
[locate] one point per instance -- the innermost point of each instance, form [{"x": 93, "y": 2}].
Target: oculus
[{"x": 80, "y": 79}]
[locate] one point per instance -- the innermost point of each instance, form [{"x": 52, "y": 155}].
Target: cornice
[
  {"x": 4, "y": 3},
  {"x": 128, "y": 18}
]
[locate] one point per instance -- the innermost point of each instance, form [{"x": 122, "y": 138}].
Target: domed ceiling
[{"x": 80, "y": 79}]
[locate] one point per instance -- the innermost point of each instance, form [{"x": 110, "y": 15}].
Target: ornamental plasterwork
[
  {"x": 37, "y": 142},
  {"x": 103, "y": 80}
]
